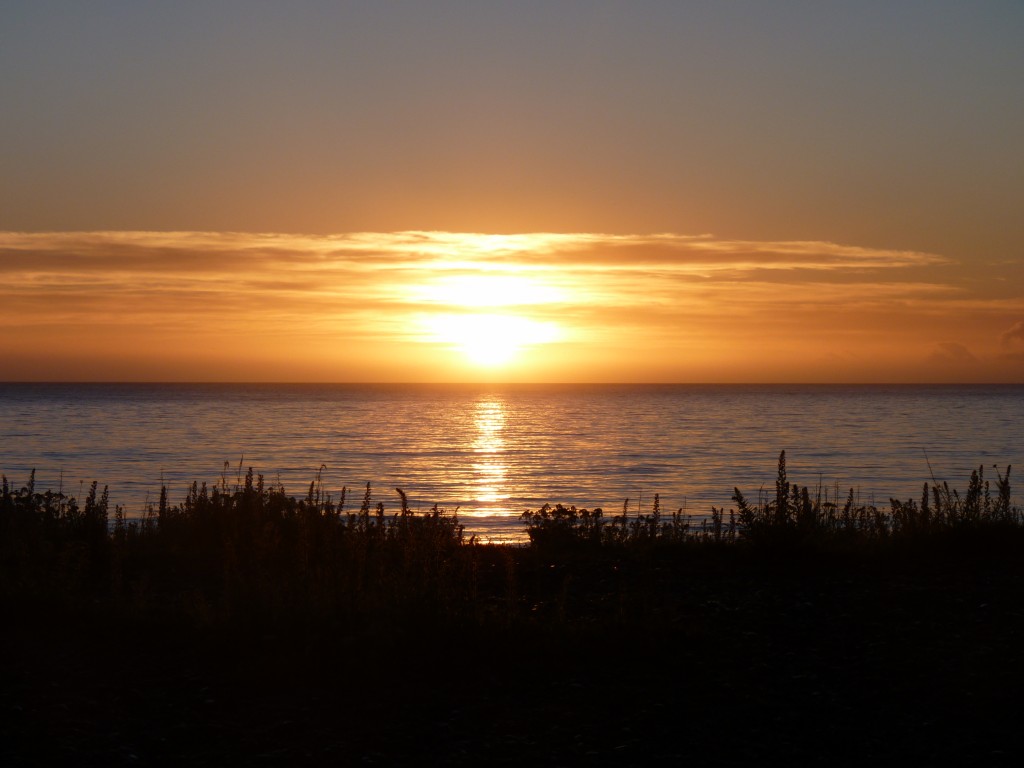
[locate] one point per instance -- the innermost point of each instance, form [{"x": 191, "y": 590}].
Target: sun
[
  {"x": 490, "y": 340},
  {"x": 488, "y": 317}
]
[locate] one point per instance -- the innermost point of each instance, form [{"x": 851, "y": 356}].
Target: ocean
[{"x": 494, "y": 451}]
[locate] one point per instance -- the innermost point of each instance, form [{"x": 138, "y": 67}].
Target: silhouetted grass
[
  {"x": 243, "y": 623},
  {"x": 249, "y": 552},
  {"x": 793, "y": 516}
]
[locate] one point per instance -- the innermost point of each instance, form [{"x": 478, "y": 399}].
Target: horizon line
[{"x": 524, "y": 383}]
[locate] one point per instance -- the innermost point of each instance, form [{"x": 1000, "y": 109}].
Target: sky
[{"x": 571, "y": 191}]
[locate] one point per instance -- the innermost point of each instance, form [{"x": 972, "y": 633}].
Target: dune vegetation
[{"x": 243, "y": 623}]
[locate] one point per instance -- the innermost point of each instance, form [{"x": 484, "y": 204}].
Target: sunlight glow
[
  {"x": 487, "y": 339},
  {"x": 489, "y": 468},
  {"x": 486, "y": 290},
  {"x": 490, "y": 340},
  {"x": 419, "y": 306}
]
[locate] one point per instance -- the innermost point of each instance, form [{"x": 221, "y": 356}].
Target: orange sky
[
  {"x": 435, "y": 306},
  {"x": 858, "y": 167}
]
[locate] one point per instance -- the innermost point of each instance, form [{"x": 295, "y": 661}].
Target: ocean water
[{"x": 495, "y": 451}]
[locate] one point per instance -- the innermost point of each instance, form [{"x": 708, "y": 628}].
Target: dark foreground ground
[{"x": 708, "y": 656}]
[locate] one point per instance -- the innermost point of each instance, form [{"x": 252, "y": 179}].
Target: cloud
[
  {"x": 1013, "y": 334},
  {"x": 153, "y": 274},
  {"x": 953, "y": 352},
  {"x": 203, "y": 253},
  {"x": 150, "y": 250},
  {"x": 154, "y": 277},
  {"x": 651, "y": 295}
]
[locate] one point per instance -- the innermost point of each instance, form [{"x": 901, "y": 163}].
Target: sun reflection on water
[{"x": 489, "y": 466}]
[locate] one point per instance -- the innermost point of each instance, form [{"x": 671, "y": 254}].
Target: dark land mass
[{"x": 243, "y": 627}]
